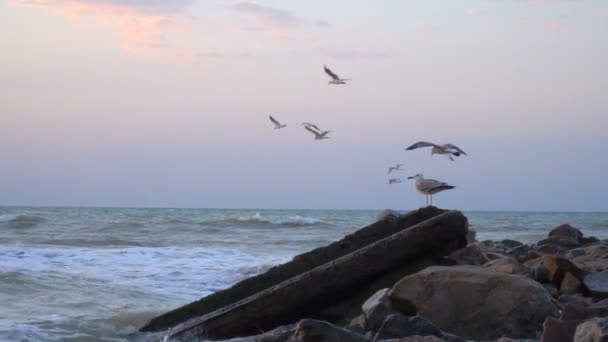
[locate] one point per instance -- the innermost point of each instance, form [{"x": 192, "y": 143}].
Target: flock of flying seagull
[{"x": 425, "y": 186}]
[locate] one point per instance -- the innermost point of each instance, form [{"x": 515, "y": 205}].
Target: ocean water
[{"x": 96, "y": 274}]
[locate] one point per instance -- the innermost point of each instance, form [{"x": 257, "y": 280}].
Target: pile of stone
[{"x": 414, "y": 277}]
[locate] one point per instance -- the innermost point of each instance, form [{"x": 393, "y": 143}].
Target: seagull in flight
[
  {"x": 311, "y": 125},
  {"x": 277, "y": 125},
  {"x": 395, "y": 168},
  {"x": 429, "y": 187},
  {"x": 335, "y": 79},
  {"x": 394, "y": 181},
  {"x": 447, "y": 149},
  {"x": 318, "y": 135}
]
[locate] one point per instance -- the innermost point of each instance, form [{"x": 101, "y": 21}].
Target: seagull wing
[
  {"x": 312, "y": 131},
  {"x": 428, "y": 184},
  {"x": 330, "y": 73},
  {"x": 454, "y": 147},
  {"x": 419, "y": 145},
  {"x": 274, "y": 121}
]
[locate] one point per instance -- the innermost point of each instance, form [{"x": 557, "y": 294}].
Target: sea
[{"x": 97, "y": 274}]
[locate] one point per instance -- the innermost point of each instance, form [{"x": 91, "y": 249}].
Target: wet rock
[
  {"x": 570, "y": 284},
  {"x": 558, "y": 267},
  {"x": 507, "y": 265},
  {"x": 376, "y": 308},
  {"x": 476, "y": 303},
  {"x": 280, "y": 334},
  {"x": 566, "y": 231},
  {"x": 311, "y": 330},
  {"x": 596, "y": 284},
  {"x": 593, "y": 330},
  {"x": 558, "y": 331},
  {"x": 511, "y": 243},
  {"x": 562, "y": 242}
]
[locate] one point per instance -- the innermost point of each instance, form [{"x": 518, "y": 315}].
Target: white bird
[
  {"x": 318, "y": 135},
  {"x": 395, "y": 168},
  {"x": 394, "y": 181},
  {"x": 447, "y": 149},
  {"x": 277, "y": 125},
  {"x": 335, "y": 79},
  {"x": 429, "y": 187},
  {"x": 311, "y": 125}
]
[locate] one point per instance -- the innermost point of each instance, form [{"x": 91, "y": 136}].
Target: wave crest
[
  {"x": 20, "y": 221},
  {"x": 260, "y": 220}
]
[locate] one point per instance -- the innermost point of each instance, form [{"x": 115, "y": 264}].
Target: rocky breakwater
[{"x": 418, "y": 279}]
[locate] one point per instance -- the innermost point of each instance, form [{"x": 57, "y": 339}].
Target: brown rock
[
  {"x": 570, "y": 284},
  {"x": 558, "y": 267},
  {"x": 507, "y": 265},
  {"x": 558, "y": 331},
  {"x": 376, "y": 308},
  {"x": 475, "y": 303},
  {"x": 566, "y": 231}
]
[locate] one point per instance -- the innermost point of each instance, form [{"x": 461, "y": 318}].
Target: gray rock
[
  {"x": 475, "y": 303},
  {"x": 357, "y": 324},
  {"x": 311, "y": 330},
  {"x": 415, "y": 339},
  {"x": 399, "y": 326},
  {"x": 570, "y": 284},
  {"x": 597, "y": 284},
  {"x": 376, "y": 308},
  {"x": 472, "y": 254},
  {"x": 280, "y": 334},
  {"x": 511, "y": 243},
  {"x": 593, "y": 330}
]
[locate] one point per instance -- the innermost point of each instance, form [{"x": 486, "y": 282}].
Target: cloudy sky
[{"x": 165, "y": 103}]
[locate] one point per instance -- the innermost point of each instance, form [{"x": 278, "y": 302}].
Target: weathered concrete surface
[
  {"x": 318, "y": 288},
  {"x": 300, "y": 264}
]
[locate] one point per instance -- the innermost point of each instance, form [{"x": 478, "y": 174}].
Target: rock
[
  {"x": 280, "y": 334},
  {"x": 570, "y": 284},
  {"x": 357, "y": 324},
  {"x": 523, "y": 253},
  {"x": 376, "y": 308},
  {"x": 541, "y": 274},
  {"x": 415, "y": 339},
  {"x": 558, "y": 331},
  {"x": 593, "y": 330},
  {"x": 597, "y": 251},
  {"x": 562, "y": 242},
  {"x": 507, "y": 265},
  {"x": 310, "y": 330},
  {"x": 596, "y": 284},
  {"x": 511, "y": 243},
  {"x": 475, "y": 303},
  {"x": 388, "y": 215},
  {"x": 399, "y": 326},
  {"x": 472, "y": 254},
  {"x": 574, "y": 253},
  {"x": 548, "y": 248},
  {"x": 566, "y": 231},
  {"x": 311, "y": 292},
  {"x": 553, "y": 291},
  {"x": 300, "y": 264},
  {"x": 558, "y": 267}
]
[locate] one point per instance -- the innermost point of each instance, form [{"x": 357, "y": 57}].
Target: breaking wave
[{"x": 260, "y": 220}]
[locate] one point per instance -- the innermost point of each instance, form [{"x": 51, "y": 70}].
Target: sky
[{"x": 165, "y": 103}]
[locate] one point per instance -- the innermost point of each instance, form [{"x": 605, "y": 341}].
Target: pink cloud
[
  {"x": 145, "y": 26},
  {"x": 472, "y": 12},
  {"x": 423, "y": 27}
]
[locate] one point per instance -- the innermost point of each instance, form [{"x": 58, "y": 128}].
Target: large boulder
[
  {"x": 388, "y": 225},
  {"x": 558, "y": 331},
  {"x": 474, "y": 302},
  {"x": 597, "y": 284},
  {"x": 566, "y": 231},
  {"x": 507, "y": 265}
]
